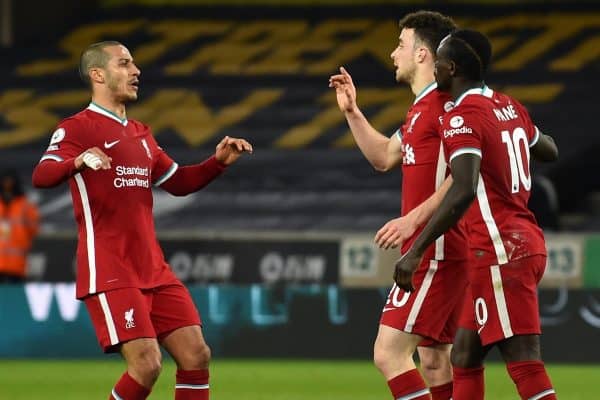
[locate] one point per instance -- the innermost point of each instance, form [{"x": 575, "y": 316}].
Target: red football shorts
[
  {"x": 433, "y": 309},
  {"x": 125, "y": 314},
  {"x": 503, "y": 300}
]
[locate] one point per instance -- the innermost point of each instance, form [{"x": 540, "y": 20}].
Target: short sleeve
[
  {"x": 461, "y": 134},
  {"x": 163, "y": 166},
  {"x": 65, "y": 142},
  {"x": 532, "y": 131}
]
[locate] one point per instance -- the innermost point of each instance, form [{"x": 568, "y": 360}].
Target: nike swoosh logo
[
  {"x": 389, "y": 309},
  {"x": 111, "y": 144}
]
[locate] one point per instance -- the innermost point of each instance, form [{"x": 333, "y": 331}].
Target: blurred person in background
[
  {"x": 18, "y": 227},
  {"x": 488, "y": 138},
  {"x": 134, "y": 299},
  {"x": 426, "y": 319}
]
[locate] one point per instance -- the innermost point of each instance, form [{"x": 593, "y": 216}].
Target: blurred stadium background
[{"x": 278, "y": 253}]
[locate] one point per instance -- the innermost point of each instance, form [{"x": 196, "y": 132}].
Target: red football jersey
[
  {"x": 424, "y": 167},
  {"x": 117, "y": 244},
  {"x": 499, "y": 129}
]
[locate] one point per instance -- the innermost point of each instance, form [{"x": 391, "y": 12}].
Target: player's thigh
[
  {"x": 143, "y": 354},
  {"x": 435, "y": 356},
  {"x": 467, "y": 350},
  {"x": 119, "y": 316},
  {"x": 172, "y": 308},
  {"x": 520, "y": 348},
  {"x": 393, "y": 343}
]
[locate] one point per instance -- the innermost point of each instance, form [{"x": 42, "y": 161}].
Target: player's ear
[
  {"x": 96, "y": 75},
  {"x": 452, "y": 68},
  {"x": 422, "y": 54}
]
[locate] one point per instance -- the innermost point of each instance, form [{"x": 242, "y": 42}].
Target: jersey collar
[
  {"x": 101, "y": 110},
  {"x": 482, "y": 91},
  {"x": 428, "y": 89}
]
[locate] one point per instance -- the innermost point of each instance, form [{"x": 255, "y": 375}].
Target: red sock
[
  {"x": 192, "y": 385},
  {"x": 410, "y": 385},
  {"x": 468, "y": 383},
  {"x": 128, "y": 389},
  {"x": 531, "y": 379},
  {"x": 441, "y": 392}
]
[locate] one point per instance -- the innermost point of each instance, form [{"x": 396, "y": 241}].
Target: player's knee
[
  {"x": 148, "y": 364},
  {"x": 197, "y": 357},
  {"x": 462, "y": 358},
  {"x": 385, "y": 359}
]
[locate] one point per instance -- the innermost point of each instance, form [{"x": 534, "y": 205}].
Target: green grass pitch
[{"x": 257, "y": 380}]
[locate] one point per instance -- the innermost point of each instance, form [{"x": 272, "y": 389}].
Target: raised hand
[
  {"x": 345, "y": 91},
  {"x": 230, "y": 149}
]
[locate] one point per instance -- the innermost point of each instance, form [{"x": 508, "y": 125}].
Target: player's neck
[
  {"x": 113, "y": 107},
  {"x": 420, "y": 82},
  {"x": 460, "y": 86}
]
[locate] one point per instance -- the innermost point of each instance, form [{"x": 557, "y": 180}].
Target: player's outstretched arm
[
  {"x": 382, "y": 152},
  {"x": 191, "y": 178},
  {"x": 545, "y": 149},
  {"x": 51, "y": 172},
  {"x": 462, "y": 192},
  {"x": 398, "y": 230}
]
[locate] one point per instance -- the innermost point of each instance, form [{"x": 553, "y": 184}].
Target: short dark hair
[
  {"x": 94, "y": 56},
  {"x": 471, "y": 51},
  {"x": 430, "y": 27}
]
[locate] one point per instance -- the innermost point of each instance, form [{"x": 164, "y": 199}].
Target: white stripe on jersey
[
  {"x": 167, "y": 174},
  {"x": 501, "y": 301},
  {"x": 110, "y": 323},
  {"x": 421, "y": 294},
  {"x": 51, "y": 157},
  {"x": 488, "y": 218},
  {"x": 89, "y": 232},
  {"x": 465, "y": 150},
  {"x": 440, "y": 176}
]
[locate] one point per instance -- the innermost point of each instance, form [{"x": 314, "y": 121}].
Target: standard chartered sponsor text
[{"x": 131, "y": 177}]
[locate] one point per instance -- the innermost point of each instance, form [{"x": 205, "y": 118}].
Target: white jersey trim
[
  {"x": 167, "y": 174},
  {"x": 110, "y": 323},
  {"x": 440, "y": 176},
  {"x": 428, "y": 89},
  {"x": 490, "y": 223},
  {"x": 421, "y": 295},
  {"x": 53, "y": 157},
  {"x": 398, "y": 134},
  {"x": 97, "y": 109},
  {"x": 466, "y": 150},
  {"x": 89, "y": 232},
  {"x": 536, "y": 137},
  {"x": 480, "y": 91},
  {"x": 501, "y": 301}
]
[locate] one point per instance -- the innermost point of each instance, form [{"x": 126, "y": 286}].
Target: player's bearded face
[
  {"x": 122, "y": 75},
  {"x": 403, "y": 57}
]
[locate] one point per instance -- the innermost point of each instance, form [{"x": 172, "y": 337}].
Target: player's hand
[
  {"x": 345, "y": 91},
  {"x": 230, "y": 149},
  {"x": 405, "y": 269},
  {"x": 396, "y": 231},
  {"x": 93, "y": 158}
]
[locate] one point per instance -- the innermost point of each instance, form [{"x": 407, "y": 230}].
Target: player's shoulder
[
  {"x": 436, "y": 101},
  {"x": 140, "y": 128}
]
